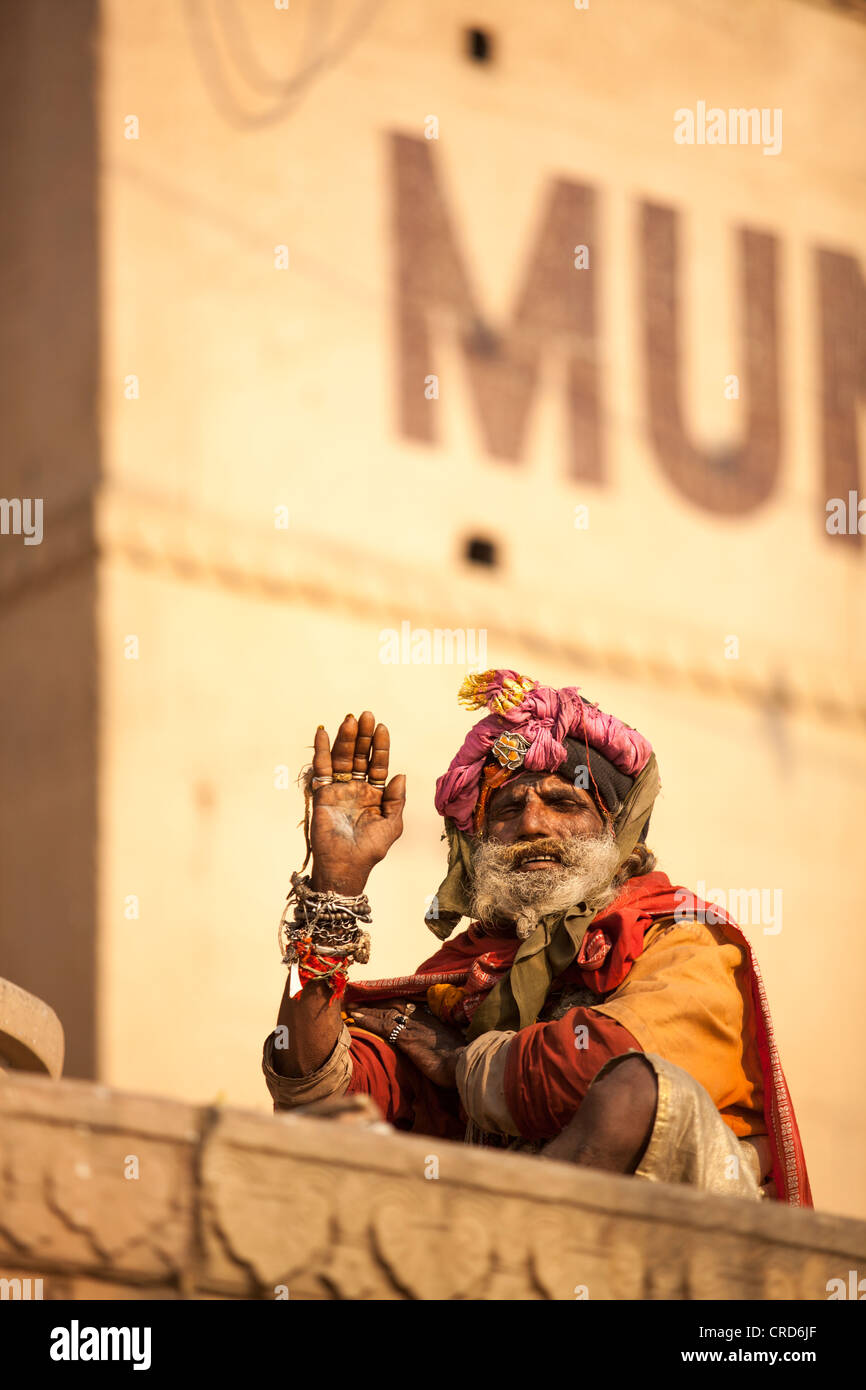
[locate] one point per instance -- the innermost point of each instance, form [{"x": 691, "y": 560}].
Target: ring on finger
[
  {"x": 402, "y": 1022},
  {"x": 321, "y": 782},
  {"x": 380, "y": 785},
  {"x": 359, "y": 776}
]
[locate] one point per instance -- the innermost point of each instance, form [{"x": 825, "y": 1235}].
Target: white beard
[{"x": 584, "y": 875}]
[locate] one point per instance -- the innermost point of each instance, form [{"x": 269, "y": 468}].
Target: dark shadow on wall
[{"x": 49, "y": 380}]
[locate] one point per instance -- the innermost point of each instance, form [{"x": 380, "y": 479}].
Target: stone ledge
[{"x": 106, "y": 1194}]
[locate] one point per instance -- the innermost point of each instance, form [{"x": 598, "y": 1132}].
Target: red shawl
[{"x": 475, "y": 961}]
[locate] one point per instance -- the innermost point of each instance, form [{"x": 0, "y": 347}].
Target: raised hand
[{"x": 354, "y": 822}]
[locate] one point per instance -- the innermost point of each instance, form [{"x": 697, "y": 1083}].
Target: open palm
[{"x": 354, "y": 823}]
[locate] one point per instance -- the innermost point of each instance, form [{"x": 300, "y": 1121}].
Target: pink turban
[{"x": 545, "y": 718}]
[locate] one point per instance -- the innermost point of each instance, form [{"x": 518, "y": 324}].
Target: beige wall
[
  {"x": 261, "y": 387},
  {"x": 203, "y": 836}
]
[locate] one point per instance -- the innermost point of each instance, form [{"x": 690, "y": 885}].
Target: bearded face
[{"x": 522, "y": 882}]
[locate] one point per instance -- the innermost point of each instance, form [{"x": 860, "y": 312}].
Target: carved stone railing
[{"x": 110, "y": 1195}]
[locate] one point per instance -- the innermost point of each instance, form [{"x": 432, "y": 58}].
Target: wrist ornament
[{"x": 324, "y": 936}]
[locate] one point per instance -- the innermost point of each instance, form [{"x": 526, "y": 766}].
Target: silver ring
[
  {"x": 380, "y": 785},
  {"x": 320, "y": 782},
  {"x": 395, "y": 1032},
  {"x": 359, "y": 776}
]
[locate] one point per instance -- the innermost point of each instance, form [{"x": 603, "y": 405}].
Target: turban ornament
[{"x": 527, "y": 729}]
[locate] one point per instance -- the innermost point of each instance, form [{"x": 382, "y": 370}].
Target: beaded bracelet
[{"x": 325, "y": 936}]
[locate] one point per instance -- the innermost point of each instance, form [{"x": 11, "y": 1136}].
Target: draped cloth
[
  {"x": 503, "y": 982},
  {"x": 481, "y": 965}
]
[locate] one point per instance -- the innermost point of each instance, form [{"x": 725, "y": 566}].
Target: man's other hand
[{"x": 433, "y": 1047}]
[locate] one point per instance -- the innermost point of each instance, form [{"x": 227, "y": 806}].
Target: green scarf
[{"x": 519, "y": 997}]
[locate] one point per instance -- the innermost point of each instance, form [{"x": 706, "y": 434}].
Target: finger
[
  {"x": 385, "y": 1017},
  {"x": 343, "y": 750},
  {"x": 394, "y": 797},
  {"x": 321, "y": 753},
  {"x": 379, "y": 754},
  {"x": 372, "y": 1021},
  {"x": 363, "y": 742}
]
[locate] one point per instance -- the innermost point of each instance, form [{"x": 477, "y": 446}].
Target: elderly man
[{"x": 592, "y": 1012}]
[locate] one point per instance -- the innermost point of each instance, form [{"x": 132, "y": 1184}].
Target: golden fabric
[
  {"x": 690, "y": 1142},
  {"x": 687, "y": 998}
]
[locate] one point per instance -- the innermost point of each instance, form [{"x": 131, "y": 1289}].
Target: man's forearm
[
  {"x": 313, "y": 1025},
  {"x": 313, "y": 1028}
]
